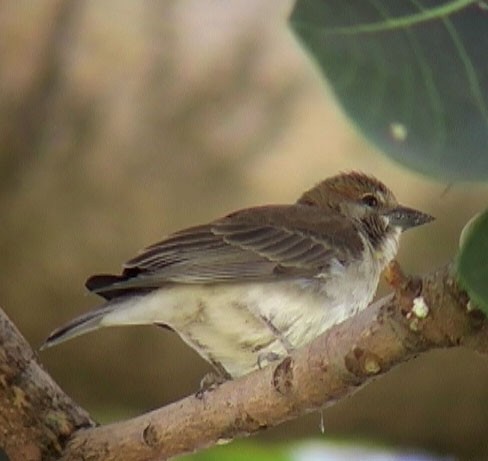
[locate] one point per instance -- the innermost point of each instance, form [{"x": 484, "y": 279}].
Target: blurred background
[{"x": 123, "y": 121}]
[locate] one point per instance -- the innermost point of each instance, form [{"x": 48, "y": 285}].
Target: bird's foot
[
  {"x": 209, "y": 382},
  {"x": 267, "y": 357}
]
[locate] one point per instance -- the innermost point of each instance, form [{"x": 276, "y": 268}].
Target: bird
[{"x": 247, "y": 289}]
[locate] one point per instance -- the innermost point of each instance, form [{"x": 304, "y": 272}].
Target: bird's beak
[{"x": 405, "y": 217}]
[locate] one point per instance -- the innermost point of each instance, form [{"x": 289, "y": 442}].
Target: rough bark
[
  {"x": 423, "y": 314},
  {"x": 36, "y": 416}
]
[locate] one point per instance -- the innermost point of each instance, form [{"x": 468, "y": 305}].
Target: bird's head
[{"x": 363, "y": 198}]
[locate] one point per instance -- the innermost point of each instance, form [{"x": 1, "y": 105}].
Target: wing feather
[{"x": 263, "y": 244}]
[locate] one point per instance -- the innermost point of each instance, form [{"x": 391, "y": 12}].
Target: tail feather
[
  {"x": 80, "y": 325},
  {"x": 115, "y": 286}
]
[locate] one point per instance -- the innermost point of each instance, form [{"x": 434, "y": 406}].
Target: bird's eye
[{"x": 370, "y": 200}]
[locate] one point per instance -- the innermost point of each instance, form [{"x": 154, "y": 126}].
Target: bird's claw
[
  {"x": 267, "y": 357},
  {"x": 209, "y": 382}
]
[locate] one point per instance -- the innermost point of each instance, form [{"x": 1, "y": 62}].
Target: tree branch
[
  {"x": 36, "y": 416},
  {"x": 422, "y": 314}
]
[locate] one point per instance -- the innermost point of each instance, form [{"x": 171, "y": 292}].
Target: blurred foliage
[
  {"x": 313, "y": 450},
  {"x": 241, "y": 451},
  {"x": 413, "y": 76}
]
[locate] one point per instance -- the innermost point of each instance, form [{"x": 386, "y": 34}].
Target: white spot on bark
[
  {"x": 420, "y": 308},
  {"x": 223, "y": 441},
  {"x": 371, "y": 366},
  {"x": 471, "y": 306}
]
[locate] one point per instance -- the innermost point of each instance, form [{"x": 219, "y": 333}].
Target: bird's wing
[{"x": 262, "y": 243}]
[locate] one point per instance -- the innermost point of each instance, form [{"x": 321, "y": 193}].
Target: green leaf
[
  {"x": 472, "y": 261},
  {"x": 413, "y": 76},
  {"x": 240, "y": 451}
]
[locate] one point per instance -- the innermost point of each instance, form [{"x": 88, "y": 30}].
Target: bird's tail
[{"x": 82, "y": 324}]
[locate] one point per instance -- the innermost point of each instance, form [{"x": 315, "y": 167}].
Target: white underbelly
[{"x": 241, "y": 325}]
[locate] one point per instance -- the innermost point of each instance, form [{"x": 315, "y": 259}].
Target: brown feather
[{"x": 263, "y": 243}]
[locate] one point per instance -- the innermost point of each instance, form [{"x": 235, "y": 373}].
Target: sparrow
[{"x": 249, "y": 288}]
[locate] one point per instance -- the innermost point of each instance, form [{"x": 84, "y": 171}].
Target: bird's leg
[
  {"x": 273, "y": 356},
  {"x": 277, "y": 333}
]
